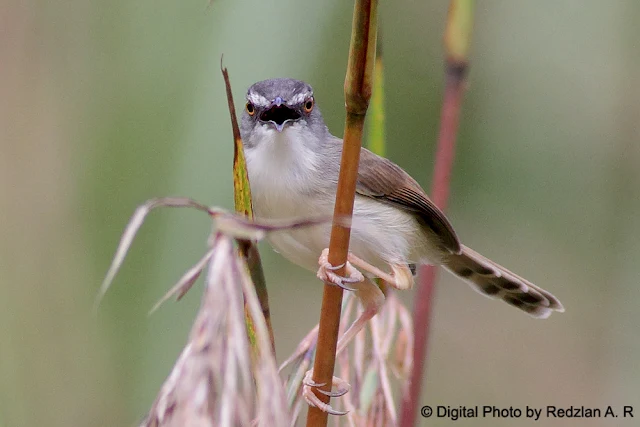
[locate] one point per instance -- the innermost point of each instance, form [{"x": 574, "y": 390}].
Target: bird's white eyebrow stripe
[
  {"x": 299, "y": 98},
  {"x": 257, "y": 99},
  {"x": 260, "y": 101}
]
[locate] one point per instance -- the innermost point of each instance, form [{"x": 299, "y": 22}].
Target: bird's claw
[
  {"x": 327, "y": 275},
  {"x": 310, "y": 397}
]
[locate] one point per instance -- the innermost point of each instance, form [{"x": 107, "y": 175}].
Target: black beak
[{"x": 279, "y": 114}]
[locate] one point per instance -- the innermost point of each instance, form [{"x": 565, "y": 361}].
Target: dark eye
[
  {"x": 250, "y": 109},
  {"x": 308, "y": 105}
]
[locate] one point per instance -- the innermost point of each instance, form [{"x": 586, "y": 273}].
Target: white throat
[{"x": 283, "y": 168}]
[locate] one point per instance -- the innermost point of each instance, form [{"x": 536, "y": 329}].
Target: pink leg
[
  {"x": 401, "y": 279},
  {"x": 371, "y": 298}
]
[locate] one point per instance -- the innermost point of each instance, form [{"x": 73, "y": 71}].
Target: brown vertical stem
[
  {"x": 358, "y": 83},
  {"x": 457, "y": 37}
]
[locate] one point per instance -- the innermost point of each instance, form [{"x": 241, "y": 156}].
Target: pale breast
[
  {"x": 283, "y": 198},
  {"x": 380, "y": 234},
  {"x": 286, "y": 183}
]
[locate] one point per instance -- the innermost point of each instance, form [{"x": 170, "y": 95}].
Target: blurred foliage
[{"x": 106, "y": 104}]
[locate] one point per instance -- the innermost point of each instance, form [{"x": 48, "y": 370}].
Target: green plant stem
[
  {"x": 243, "y": 205},
  {"x": 376, "y": 135}
]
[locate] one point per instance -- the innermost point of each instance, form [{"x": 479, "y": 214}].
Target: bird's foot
[
  {"x": 310, "y": 397},
  {"x": 326, "y": 272},
  {"x": 401, "y": 278}
]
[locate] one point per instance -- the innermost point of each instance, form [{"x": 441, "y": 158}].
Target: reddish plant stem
[{"x": 454, "y": 89}]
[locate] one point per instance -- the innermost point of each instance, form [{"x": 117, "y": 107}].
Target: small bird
[{"x": 293, "y": 163}]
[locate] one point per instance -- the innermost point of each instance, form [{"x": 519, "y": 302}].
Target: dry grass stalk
[
  {"x": 214, "y": 381},
  {"x": 212, "y": 384}
]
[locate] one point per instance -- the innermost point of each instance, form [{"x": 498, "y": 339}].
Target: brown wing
[{"x": 385, "y": 181}]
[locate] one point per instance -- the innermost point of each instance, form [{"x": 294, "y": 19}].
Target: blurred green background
[{"x": 106, "y": 104}]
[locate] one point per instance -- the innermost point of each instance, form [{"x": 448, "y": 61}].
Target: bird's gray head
[{"x": 279, "y": 106}]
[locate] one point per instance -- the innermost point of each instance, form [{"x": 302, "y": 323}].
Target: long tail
[{"x": 495, "y": 281}]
